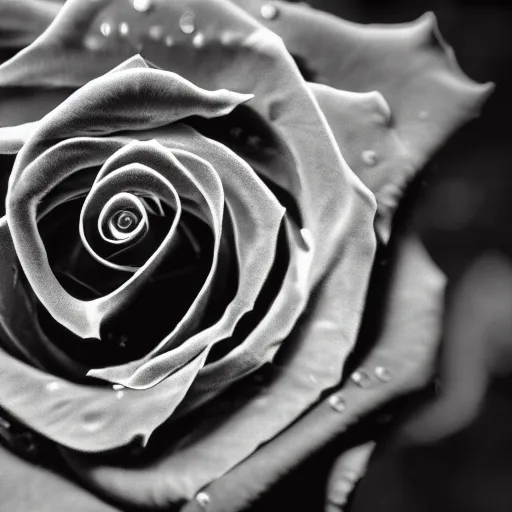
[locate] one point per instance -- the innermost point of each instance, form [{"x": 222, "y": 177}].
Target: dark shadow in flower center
[
  {"x": 162, "y": 301},
  {"x": 249, "y": 135}
]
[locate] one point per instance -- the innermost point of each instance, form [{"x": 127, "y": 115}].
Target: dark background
[{"x": 463, "y": 212}]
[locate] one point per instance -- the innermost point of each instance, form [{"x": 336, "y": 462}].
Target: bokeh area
[{"x": 455, "y": 453}]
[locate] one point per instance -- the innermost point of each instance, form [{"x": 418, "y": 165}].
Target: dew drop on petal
[
  {"x": 228, "y": 37},
  {"x": 203, "y": 499},
  {"x": 382, "y": 373},
  {"x": 337, "y": 402},
  {"x": 124, "y": 29},
  {"x": 52, "y": 386},
  {"x": 369, "y": 157},
  {"x": 188, "y": 23},
  {"x": 142, "y": 5},
  {"x": 156, "y": 32},
  {"x": 94, "y": 43},
  {"x": 269, "y": 11},
  {"x": 361, "y": 378},
  {"x": 106, "y": 29},
  {"x": 117, "y": 387},
  {"x": 91, "y": 424},
  {"x": 198, "y": 40},
  {"x": 235, "y": 132},
  {"x": 254, "y": 141}
]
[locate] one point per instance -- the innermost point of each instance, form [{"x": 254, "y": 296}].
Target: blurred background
[{"x": 457, "y": 454}]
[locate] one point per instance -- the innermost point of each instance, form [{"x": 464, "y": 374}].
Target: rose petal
[
  {"x": 409, "y": 64},
  {"x": 22, "y": 22},
  {"x": 73, "y": 118},
  {"x": 12, "y": 138},
  {"x": 26, "y": 486},
  {"x": 406, "y": 348},
  {"x": 256, "y": 217}
]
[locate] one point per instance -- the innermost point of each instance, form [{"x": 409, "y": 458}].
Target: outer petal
[
  {"x": 407, "y": 346},
  {"x": 413, "y": 68},
  {"x": 26, "y": 486},
  {"x": 22, "y": 22}
]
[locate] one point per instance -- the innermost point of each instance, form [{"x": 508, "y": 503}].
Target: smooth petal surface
[
  {"x": 26, "y": 486},
  {"x": 409, "y": 64},
  {"x": 23, "y": 22},
  {"x": 406, "y": 348}
]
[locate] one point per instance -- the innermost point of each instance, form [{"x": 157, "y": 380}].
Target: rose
[{"x": 326, "y": 228}]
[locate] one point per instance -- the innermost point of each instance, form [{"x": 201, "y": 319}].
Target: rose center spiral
[{"x": 125, "y": 220}]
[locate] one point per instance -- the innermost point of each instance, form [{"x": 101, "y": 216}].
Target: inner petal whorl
[{"x": 123, "y": 219}]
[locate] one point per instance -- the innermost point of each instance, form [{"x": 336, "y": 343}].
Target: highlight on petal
[{"x": 12, "y": 138}]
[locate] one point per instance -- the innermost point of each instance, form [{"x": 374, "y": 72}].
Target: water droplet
[
  {"x": 169, "y": 41},
  {"x": 423, "y": 114},
  {"x": 382, "y": 373},
  {"x": 337, "y": 402},
  {"x": 91, "y": 422},
  {"x": 94, "y": 43},
  {"x": 52, "y": 386},
  {"x": 198, "y": 40},
  {"x": 228, "y": 37},
  {"x": 124, "y": 29},
  {"x": 254, "y": 141},
  {"x": 203, "y": 499},
  {"x": 235, "y": 132},
  {"x": 106, "y": 29},
  {"x": 123, "y": 339},
  {"x": 369, "y": 157},
  {"x": 119, "y": 394},
  {"x": 156, "y": 32},
  {"x": 269, "y": 11},
  {"x": 361, "y": 378},
  {"x": 142, "y": 5},
  {"x": 117, "y": 387},
  {"x": 188, "y": 23}
]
